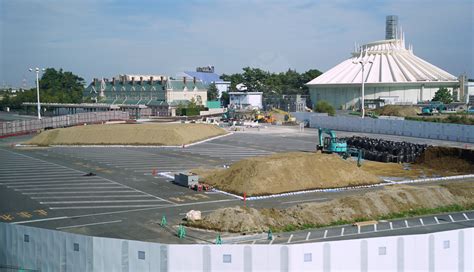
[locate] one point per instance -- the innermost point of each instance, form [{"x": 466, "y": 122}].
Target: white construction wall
[
  {"x": 49, "y": 250},
  {"x": 430, "y": 130}
]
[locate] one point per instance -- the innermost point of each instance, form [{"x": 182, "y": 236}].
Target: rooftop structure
[{"x": 392, "y": 72}]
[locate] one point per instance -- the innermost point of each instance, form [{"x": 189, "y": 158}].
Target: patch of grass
[
  {"x": 403, "y": 214},
  {"x": 457, "y": 118}
]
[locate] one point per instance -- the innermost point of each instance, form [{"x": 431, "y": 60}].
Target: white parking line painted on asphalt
[
  {"x": 271, "y": 242},
  {"x": 58, "y": 185},
  {"x": 325, "y": 233},
  {"x": 107, "y": 207},
  {"x": 465, "y": 216},
  {"x": 307, "y": 236},
  {"x": 254, "y": 241},
  {"x": 51, "y": 182},
  {"x": 91, "y": 224},
  {"x": 375, "y": 227},
  {"x": 81, "y": 192},
  {"x": 436, "y": 219},
  {"x": 289, "y": 239},
  {"x": 99, "y": 201},
  {"x": 342, "y": 231},
  {"x": 358, "y": 229},
  {"x": 91, "y": 196},
  {"x": 391, "y": 225},
  {"x": 40, "y": 220},
  {"x": 451, "y": 218},
  {"x": 421, "y": 221},
  {"x": 113, "y": 186}
]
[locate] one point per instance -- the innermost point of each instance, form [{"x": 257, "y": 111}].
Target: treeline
[
  {"x": 257, "y": 80},
  {"x": 55, "y": 87}
]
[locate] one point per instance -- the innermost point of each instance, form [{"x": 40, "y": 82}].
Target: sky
[{"x": 105, "y": 38}]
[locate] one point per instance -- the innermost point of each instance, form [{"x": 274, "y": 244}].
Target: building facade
[
  {"x": 392, "y": 72},
  {"x": 245, "y": 100},
  {"x": 161, "y": 95}
]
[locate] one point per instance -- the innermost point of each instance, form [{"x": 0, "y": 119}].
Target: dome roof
[{"x": 386, "y": 61}]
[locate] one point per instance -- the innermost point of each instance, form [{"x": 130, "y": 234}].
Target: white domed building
[{"x": 392, "y": 73}]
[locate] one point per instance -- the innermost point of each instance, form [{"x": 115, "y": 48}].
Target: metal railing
[{"x": 19, "y": 127}]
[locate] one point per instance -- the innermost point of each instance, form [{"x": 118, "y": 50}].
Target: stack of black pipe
[{"x": 386, "y": 151}]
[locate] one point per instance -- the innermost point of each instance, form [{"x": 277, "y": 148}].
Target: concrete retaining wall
[
  {"x": 49, "y": 250},
  {"x": 24, "y": 126},
  {"x": 430, "y": 130}
]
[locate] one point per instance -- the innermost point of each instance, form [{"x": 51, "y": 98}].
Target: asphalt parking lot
[{"x": 125, "y": 198}]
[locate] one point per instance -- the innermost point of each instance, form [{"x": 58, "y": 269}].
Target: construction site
[{"x": 241, "y": 178}]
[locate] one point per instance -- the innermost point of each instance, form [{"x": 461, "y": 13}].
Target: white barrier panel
[
  {"x": 430, "y": 130},
  {"x": 37, "y": 249}
]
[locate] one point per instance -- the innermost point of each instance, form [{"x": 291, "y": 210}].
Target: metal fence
[
  {"x": 419, "y": 129},
  {"x": 36, "y": 249},
  {"x": 27, "y": 126}
]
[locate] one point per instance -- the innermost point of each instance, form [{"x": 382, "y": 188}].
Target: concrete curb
[
  {"x": 167, "y": 174},
  {"x": 148, "y": 146}
]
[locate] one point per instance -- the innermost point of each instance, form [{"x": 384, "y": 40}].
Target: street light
[
  {"x": 37, "y": 70},
  {"x": 363, "y": 62}
]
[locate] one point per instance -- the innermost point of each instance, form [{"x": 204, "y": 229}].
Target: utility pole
[
  {"x": 38, "y": 105},
  {"x": 363, "y": 62}
]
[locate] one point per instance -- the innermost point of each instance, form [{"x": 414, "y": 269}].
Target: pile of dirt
[
  {"x": 287, "y": 172},
  {"x": 398, "y": 110},
  {"x": 392, "y": 199},
  {"x": 127, "y": 134},
  {"x": 447, "y": 159}
]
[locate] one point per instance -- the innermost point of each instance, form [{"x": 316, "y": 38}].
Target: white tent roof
[{"x": 386, "y": 61}]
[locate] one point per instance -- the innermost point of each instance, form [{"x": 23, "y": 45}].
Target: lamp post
[
  {"x": 363, "y": 62},
  {"x": 38, "y": 106}
]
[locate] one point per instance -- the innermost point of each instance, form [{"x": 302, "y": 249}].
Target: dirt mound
[
  {"x": 127, "y": 134},
  {"x": 450, "y": 159},
  {"x": 392, "y": 199},
  {"x": 398, "y": 110},
  {"x": 287, "y": 172}
]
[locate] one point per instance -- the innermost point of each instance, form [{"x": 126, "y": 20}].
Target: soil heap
[
  {"x": 287, "y": 172},
  {"x": 392, "y": 199},
  {"x": 398, "y": 110},
  {"x": 127, "y": 134}
]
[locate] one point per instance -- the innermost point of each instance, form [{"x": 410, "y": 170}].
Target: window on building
[
  {"x": 382, "y": 251},
  {"x": 141, "y": 255},
  {"x": 446, "y": 244},
  {"x": 308, "y": 257},
  {"x": 26, "y": 238},
  {"x": 227, "y": 258},
  {"x": 76, "y": 247}
]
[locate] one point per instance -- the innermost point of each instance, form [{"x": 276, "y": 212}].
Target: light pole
[
  {"x": 38, "y": 106},
  {"x": 363, "y": 62}
]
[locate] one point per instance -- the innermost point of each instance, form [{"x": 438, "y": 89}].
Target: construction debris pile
[
  {"x": 367, "y": 206},
  {"x": 386, "y": 151}
]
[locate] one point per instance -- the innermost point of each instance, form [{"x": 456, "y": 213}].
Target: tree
[
  {"x": 443, "y": 95},
  {"x": 289, "y": 82},
  {"x": 212, "y": 92},
  {"x": 55, "y": 87},
  {"x": 225, "y": 99}
]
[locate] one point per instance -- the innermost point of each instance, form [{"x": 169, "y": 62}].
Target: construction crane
[{"x": 332, "y": 144}]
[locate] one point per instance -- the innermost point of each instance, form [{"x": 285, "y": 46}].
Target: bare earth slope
[
  {"x": 392, "y": 199},
  {"x": 286, "y": 172},
  {"x": 128, "y": 134}
]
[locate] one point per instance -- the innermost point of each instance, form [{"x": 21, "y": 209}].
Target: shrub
[{"x": 323, "y": 106}]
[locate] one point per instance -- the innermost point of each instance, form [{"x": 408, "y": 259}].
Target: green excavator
[{"x": 332, "y": 144}]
